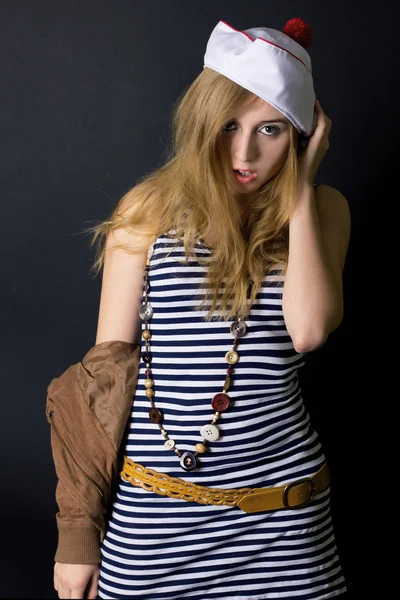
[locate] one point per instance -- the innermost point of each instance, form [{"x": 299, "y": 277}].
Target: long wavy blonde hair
[{"x": 192, "y": 195}]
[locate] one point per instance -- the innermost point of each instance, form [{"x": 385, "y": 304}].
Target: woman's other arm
[
  {"x": 120, "y": 299},
  {"x": 121, "y": 290}
]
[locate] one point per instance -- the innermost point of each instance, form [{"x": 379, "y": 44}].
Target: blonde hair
[{"x": 191, "y": 194}]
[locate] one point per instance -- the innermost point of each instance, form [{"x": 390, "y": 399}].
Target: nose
[{"x": 244, "y": 148}]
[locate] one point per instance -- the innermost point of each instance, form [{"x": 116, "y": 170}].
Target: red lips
[{"x": 246, "y": 170}]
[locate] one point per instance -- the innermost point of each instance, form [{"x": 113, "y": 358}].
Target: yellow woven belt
[{"x": 294, "y": 494}]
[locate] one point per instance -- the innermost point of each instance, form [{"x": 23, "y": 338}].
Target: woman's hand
[
  {"x": 76, "y": 581},
  {"x": 311, "y": 156}
]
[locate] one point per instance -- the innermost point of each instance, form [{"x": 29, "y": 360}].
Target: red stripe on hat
[{"x": 268, "y": 42}]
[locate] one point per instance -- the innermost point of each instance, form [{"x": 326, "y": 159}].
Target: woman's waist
[
  {"x": 236, "y": 457},
  {"x": 238, "y": 471}
]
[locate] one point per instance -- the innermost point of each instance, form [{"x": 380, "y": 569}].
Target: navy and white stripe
[{"x": 159, "y": 548}]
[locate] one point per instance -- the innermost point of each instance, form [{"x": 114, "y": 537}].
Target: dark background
[{"x": 86, "y": 92}]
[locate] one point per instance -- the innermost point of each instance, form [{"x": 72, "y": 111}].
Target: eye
[
  {"x": 227, "y": 126},
  {"x": 275, "y": 129}
]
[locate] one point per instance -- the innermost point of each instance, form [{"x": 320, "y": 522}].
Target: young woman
[{"x": 227, "y": 264}]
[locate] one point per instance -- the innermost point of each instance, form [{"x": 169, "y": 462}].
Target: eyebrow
[
  {"x": 275, "y": 121},
  {"x": 270, "y": 121}
]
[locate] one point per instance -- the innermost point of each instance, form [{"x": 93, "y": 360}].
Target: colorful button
[
  {"x": 210, "y": 432},
  {"x": 231, "y": 357},
  {"x": 238, "y": 328},
  {"x": 188, "y": 461},
  {"x": 220, "y": 402}
]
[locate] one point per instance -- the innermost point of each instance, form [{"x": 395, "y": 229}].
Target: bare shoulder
[
  {"x": 335, "y": 220},
  {"x": 125, "y": 238}
]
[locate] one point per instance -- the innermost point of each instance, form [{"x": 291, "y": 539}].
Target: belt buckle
[{"x": 294, "y": 484}]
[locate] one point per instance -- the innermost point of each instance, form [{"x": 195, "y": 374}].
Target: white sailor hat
[{"x": 272, "y": 64}]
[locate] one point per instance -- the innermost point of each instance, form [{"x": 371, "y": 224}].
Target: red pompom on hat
[{"x": 299, "y": 31}]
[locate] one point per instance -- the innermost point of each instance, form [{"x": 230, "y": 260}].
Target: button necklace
[{"x": 220, "y": 401}]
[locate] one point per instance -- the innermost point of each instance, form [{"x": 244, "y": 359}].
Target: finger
[
  {"x": 93, "y": 588},
  {"x": 55, "y": 577},
  {"x": 64, "y": 593}
]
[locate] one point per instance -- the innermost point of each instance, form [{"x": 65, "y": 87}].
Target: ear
[{"x": 302, "y": 143}]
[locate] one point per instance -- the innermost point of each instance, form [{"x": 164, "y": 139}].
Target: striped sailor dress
[{"x": 162, "y": 548}]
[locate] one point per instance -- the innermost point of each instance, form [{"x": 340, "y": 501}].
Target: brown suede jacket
[{"x": 88, "y": 408}]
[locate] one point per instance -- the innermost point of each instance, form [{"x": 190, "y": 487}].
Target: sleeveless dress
[{"x": 161, "y": 548}]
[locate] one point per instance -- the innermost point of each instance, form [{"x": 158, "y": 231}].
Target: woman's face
[{"x": 258, "y": 141}]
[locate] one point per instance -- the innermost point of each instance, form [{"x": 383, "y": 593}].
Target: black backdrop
[{"x": 86, "y": 92}]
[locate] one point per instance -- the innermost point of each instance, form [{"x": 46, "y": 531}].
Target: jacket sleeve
[
  {"x": 78, "y": 537},
  {"x": 88, "y": 407}
]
